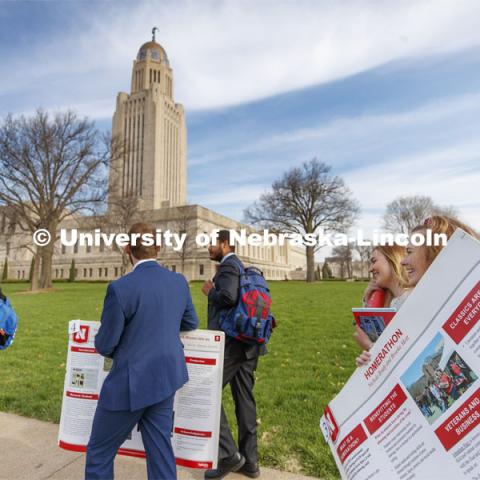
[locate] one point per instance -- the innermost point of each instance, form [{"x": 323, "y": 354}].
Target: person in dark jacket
[
  {"x": 240, "y": 364},
  {"x": 142, "y": 317}
]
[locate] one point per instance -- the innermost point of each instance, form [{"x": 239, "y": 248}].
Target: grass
[{"x": 311, "y": 356}]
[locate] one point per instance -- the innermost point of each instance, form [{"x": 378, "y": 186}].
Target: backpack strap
[{"x": 239, "y": 265}]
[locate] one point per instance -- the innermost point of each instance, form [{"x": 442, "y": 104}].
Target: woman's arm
[
  {"x": 363, "y": 358},
  {"x": 362, "y": 338}
]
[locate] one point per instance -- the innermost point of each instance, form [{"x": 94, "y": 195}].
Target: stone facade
[{"x": 105, "y": 263}]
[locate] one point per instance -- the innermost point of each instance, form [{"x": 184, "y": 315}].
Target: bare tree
[
  {"x": 326, "y": 271},
  {"x": 12, "y": 234},
  {"x": 52, "y": 168},
  {"x": 304, "y": 200},
  {"x": 185, "y": 224},
  {"x": 405, "y": 213},
  {"x": 344, "y": 255},
  {"x": 123, "y": 212},
  {"x": 365, "y": 253}
]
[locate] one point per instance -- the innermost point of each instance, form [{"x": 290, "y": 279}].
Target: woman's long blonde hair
[
  {"x": 441, "y": 224},
  {"x": 394, "y": 255}
]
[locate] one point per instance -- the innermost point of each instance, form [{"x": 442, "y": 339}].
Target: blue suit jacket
[{"x": 142, "y": 316}]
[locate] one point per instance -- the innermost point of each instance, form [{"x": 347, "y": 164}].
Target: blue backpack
[
  {"x": 8, "y": 322},
  {"x": 250, "y": 321}
]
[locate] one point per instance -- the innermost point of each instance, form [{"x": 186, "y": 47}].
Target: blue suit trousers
[{"x": 111, "y": 428}]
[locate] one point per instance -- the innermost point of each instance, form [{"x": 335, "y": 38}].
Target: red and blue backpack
[{"x": 250, "y": 321}]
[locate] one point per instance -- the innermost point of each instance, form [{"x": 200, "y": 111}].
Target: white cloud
[
  {"x": 448, "y": 176},
  {"x": 362, "y": 132},
  {"x": 229, "y": 52}
]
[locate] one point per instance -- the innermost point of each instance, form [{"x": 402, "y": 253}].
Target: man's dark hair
[{"x": 224, "y": 236}]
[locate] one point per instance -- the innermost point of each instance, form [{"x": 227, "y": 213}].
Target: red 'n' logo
[
  {"x": 82, "y": 335},
  {"x": 332, "y": 424}
]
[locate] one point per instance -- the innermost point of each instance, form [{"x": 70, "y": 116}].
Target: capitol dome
[{"x": 153, "y": 51}]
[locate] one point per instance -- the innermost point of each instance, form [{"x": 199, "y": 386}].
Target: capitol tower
[{"x": 150, "y": 126}]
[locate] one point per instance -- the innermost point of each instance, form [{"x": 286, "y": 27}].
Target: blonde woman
[
  {"x": 389, "y": 276},
  {"x": 419, "y": 258}
]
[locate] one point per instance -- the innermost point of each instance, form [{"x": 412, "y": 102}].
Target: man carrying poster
[{"x": 143, "y": 314}]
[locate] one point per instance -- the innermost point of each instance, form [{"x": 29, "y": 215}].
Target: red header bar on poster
[
  {"x": 351, "y": 442},
  {"x": 386, "y": 409},
  {"x": 464, "y": 318},
  {"x": 461, "y": 422},
  {"x": 192, "y": 433},
  {"x": 82, "y": 396},
  {"x": 83, "y": 350},
  {"x": 201, "y": 361},
  {"x": 193, "y": 464}
]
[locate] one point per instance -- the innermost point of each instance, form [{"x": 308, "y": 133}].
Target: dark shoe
[
  {"x": 226, "y": 466},
  {"x": 251, "y": 470}
]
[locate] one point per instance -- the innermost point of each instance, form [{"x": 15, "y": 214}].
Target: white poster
[
  {"x": 196, "y": 408},
  {"x": 413, "y": 412}
]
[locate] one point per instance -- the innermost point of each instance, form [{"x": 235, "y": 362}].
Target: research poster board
[
  {"x": 197, "y": 404},
  {"x": 413, "y": 412}
]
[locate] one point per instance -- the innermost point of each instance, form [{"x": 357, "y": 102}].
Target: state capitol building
[{"x": 149, "y": 177}]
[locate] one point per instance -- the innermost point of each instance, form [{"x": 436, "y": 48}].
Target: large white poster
[
  {"x": 196, "y": 408},
  {"x": 414, "y": 411}
]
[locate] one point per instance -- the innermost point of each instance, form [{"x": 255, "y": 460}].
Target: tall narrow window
[{"x": 141, "y": 154}]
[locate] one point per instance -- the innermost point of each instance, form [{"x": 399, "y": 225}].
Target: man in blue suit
[{"x": 142, "y": 317}]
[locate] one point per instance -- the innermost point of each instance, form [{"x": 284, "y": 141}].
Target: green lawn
[{"x": 311, "y": 356}]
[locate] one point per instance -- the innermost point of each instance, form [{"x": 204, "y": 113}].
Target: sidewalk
[{"x": 29, "y": 451}]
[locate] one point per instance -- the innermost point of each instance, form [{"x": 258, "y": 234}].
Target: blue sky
[{"x": 392, "y": 106}]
